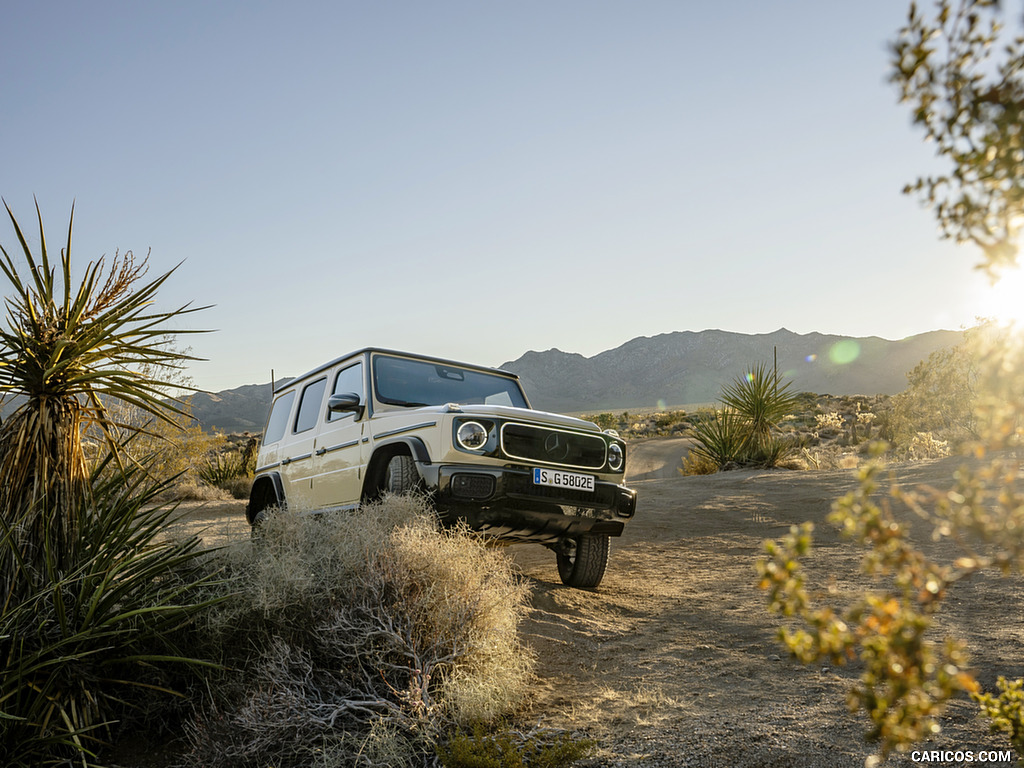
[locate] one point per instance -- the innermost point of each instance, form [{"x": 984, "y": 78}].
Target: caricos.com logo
[{"x": 962, "y": 756}]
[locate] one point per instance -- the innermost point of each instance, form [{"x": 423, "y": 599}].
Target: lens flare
[
  {"x": 1004, "y": 301},
  {"x": 844, "y": 352}
]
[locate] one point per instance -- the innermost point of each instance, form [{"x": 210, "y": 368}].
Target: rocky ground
[{"x": 673, "y": 661}]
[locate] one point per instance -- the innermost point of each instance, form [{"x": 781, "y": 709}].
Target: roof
[{"x": 357, "y": 352}]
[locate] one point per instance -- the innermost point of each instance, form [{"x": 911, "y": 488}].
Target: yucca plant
[
  {"x": 222, "y": 468},
  {"x": 66, "y": 350},
  {"x": 759, "y": 399},
  {"x": 98, "y": 638},
  {"x": 741, "y": 432},
  {"x": 721, "y": 436},
  {"x": 92, "y": 596}
]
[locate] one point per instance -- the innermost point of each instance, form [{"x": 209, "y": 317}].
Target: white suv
[{"x": 378, "y": 420}]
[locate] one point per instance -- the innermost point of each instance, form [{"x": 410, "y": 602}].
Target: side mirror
[{"x": 346, "y": 402}]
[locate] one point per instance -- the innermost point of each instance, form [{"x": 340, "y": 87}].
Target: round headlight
[
  {"x": 472, "y": 436},
  {"x": 615, "y": 456}
]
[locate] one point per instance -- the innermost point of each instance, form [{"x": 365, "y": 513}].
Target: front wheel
[
  {"x": 401, "y": 476},
  {"x": 583, "y": 565},
  {"x": 256, "y": 527}
]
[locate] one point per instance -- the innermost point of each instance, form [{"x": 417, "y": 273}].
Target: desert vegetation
[
  {"x": 93, "y": 601},
  {"x": 375, "y": 639},
  {"x": 963, "y": 78},
  {"x": 360, "y": 638},
  {"x": 908, "y": 677},
  {"x": 932, "y": 418}
]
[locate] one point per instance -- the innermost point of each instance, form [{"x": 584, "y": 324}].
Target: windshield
[{"x": 411, "y": 383}]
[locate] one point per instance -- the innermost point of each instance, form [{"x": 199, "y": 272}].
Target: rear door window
[
  {"x": 278, "y": 421},
  {"x": 309, "y": 405}
]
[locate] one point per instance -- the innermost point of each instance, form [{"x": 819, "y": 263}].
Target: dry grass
[
  {"x": 357, "y": 634},
  {"x": 189, "y": 490}
]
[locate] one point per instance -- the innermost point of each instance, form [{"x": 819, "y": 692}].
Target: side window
[
  {"x": 348, "y": 380},
  {"x": 309, "y": 405},
  {"x": 278, "y": 421}
]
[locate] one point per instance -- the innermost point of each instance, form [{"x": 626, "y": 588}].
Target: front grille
[
  {"x": 603, "y": 496},
  {"x": 553, "y": 446}
]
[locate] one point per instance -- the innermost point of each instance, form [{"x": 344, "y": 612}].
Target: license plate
[{"x": 558, "y": 479}]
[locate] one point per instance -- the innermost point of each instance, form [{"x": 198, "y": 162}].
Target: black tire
[
  {"x": 256, "y": 527},
  {"x": 584, "y": 566},
  {"x": 401, "y": 476}
]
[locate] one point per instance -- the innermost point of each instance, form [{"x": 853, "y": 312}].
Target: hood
[
  {"x": 512, "y": 413},
  {"x": 525, "y": 414}
]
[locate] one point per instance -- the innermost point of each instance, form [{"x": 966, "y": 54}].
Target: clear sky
[{"x": 478, "y": 179}]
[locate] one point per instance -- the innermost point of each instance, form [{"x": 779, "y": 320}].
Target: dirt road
[
  {"x": 657, "y": 458},
  {"x": 673, "y": 661}
]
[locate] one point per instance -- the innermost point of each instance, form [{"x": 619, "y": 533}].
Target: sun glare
[{"x": 1004, "y": 301}]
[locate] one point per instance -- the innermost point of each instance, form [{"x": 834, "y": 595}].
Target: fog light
[{"x": 472, "y": 486}]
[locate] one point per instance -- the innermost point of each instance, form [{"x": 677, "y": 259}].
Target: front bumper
[{"x": 504, "y": 503}]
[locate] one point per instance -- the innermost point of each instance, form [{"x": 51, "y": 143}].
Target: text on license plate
[{"x": 558, "y": 479}]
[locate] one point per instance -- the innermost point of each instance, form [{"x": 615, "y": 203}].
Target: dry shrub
[
  {"x": 696, "y": 463},
  {"x": 925, "y": 445},
  {"x": 831, "y": 456},
  {"x": 237, "y": 487},
  {"x": 831, "y": 422},
  {"x": 189, "y": 490},
  {"x": 358, "y": 634}
]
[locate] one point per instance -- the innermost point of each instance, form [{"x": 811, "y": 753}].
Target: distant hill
[
  {"x": 243, "y": 409},
  {"x": 688, "y": 367},
  {"x": 680, "y": 368}
]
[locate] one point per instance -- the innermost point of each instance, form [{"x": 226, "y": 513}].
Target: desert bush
[
  {"x": 924, "y": 445},
  {"x": 831, "y": 456},
  {"x": 909, "y": 677},
  {"x": 367, "y": 626},
  {"x": 173, "y": 446},
  {"x": 606, "y": 421},
  {"x": 963, "y": 76},
  {"x": 188, "y": 490},
  {"x": 665, "y": 421},
  {"x": 828, "y": 422},
  {"x": 231, "y": 471},
  {"x": 941, "y": 395},
  {"x": 237, "y": 487},
  {"x": 696, "y": 463},
  {"x": 772, "y": 453},
  {"x": 1005, "y": 711}
]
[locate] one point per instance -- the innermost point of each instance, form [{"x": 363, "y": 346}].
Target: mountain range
[{"x": 684, "y": 368}]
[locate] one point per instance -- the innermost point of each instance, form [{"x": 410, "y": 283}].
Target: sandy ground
[{"x": 672, "y": 661}]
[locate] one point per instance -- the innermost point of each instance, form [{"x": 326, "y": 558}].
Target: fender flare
[
  {"x": 374, "y": 478},
  {"x": 417, "y": 448},
  {"x": 258, "y": 496}
]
